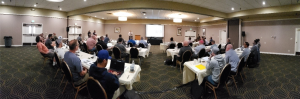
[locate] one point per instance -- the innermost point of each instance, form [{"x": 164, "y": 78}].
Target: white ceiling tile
[
  {"x": 188, "y": 1},
  {"x": 177, "y": 1},
  {"x": 285, "y": 2}
]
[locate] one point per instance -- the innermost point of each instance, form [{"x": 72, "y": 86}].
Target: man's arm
[
  {"x": 82, "y": 71},
  {"x": 226, "y": 59},
  {"x": 41, "y": 49}
]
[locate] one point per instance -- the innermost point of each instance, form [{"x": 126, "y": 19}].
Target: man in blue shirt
[
  {"x": 132, "y": 41},
  {"x": 143, "y": 42},
  {"x": 109, "y": 81},
  {"x": 106, "y": 39},
  {"x": 79, "y": 73}
]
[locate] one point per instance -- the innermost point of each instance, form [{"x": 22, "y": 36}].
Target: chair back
[
  {"x": 79, "y": 42},
  {"x": 240, "y": 65},
  {"x": 141, "y": 45},
  {"x": 99, "y": 47},
  {"x": 201, "y": 53},
  {"x": 186, "y": 56},
  {"x": 179, "y": 45},
  {"x": 85, "y": 47},
  {"x": 67, "y": 72},
  {"x": 224, "y": 75},
  {"x": 134, "y": 52},
  {"x": 248, "y": 59},
  {"x": 130, "y": 44},
  {"x": 117, "y": 52},
  {"x": 57, "y": 60},
  {"x": 191, "y": 44},
  {"x": 95, "y": 89},
  {"x": 172, "y": 46}
]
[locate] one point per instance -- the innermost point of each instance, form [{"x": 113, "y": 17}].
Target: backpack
[
  {"x": 168, "y": 62},
  {"x": 197, "y": 90}
]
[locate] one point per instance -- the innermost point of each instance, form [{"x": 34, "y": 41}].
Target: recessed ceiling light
[
  {"x": 122, "y": 14},
  {"x": 34, "y": 5},
  {"x": 95, "y": 16},
  {"x": 263, "y": 2},
  {"x": 146, "y": 17},
  {"x": 84, "y": 0},
  {"x": 55, "y": 0},
  {"x": 102, "y": 18},
  {"x": 197, "y": 18},
  {"x": 59, "y": 8},
  {"x": 2, "y": 2},
  {"x": 232, "y": 8}
]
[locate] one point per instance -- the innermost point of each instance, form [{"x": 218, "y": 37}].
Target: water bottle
[
  {"x": 132, "y": 66},
  {"x": 94, "y": 55}
]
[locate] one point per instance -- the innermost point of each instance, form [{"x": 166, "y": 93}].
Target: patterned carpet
[{"x": 23, "y": 76}]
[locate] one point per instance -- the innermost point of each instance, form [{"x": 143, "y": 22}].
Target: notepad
[{"x": 200, "y": 67}]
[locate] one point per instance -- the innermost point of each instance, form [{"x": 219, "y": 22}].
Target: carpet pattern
[{"x": 23, "y": 76}]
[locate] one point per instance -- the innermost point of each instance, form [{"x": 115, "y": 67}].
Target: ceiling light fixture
[
  {"x": 197, "y": 18},
  {"x": 122, "y": 18},
  {"x": 84, "y": 0},
  {"x": 263, "y": 2},
  {"x": 177, "y": 20},
  {"x": 232, "y": 8},
  {"x": 102, "y": 18},
  {"x": 34, "y": 5},
  {"x": 146, "y": 17},
  {"x": 55, "y": 0},
  {"x": 2, "y": 2},
  {"x": 95, "y": 16},
  {"x": 59, "y": 8},
  {"x": 144, "y": 13},
  {"x": 122, "y": 14}
]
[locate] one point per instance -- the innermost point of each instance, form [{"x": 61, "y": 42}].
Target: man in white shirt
[{"x": 59, "y": 51}]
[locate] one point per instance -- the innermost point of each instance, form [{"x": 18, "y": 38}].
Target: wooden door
[{"x": 137, "y": 37}]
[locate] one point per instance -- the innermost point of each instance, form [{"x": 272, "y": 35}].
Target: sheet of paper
[
  {"x": 205, "y": 58},
  {"x": 200, "y": 67}
]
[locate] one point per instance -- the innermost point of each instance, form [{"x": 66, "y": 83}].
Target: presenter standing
[{"x": 130, "y": 34}]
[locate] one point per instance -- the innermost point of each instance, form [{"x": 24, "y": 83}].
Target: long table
[
  {"x": 172, "y": 52},
  {"x": 127, "y": 78}
]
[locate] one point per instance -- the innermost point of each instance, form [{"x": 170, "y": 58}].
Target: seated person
[
  {"x": 44, "y": 50},
  {"x": 231, "y": 58},
  {"x": 48, "y": 42},
  {"x": 106, "y": 39},
  {"x": 255, "y": 51},
  {"x": 59, "y": 51},
  {"x": 215, "y": 63},
  {"x": 190, "y": 40},
  {"x": 123, "y": 50},
  {"x": 91, "y": 43},
  {"x": 131, "y": 41},
  {"x": 246, "y": 52},
  {"x": 79, "y": 72},
  {"x": 210, "y": 41},
  {"x": 120, "y": 36},
  {"x": 109, "y": 81},
  {"x": 143, "y": 42},
  {"x": 185, "y": 47},
  {"x": 212, "y": 46},
  {"x": 79, "y": 38},
  {"x": 54, "y": 38},
  {"x": 198, "y": 48},
  {"x": 228, "y": 42},
  {"x": 171, "y": 42},
  {"x": 104, "y": 45}
]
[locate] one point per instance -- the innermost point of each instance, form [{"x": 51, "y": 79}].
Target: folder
[{"x": 200, "y": 67}]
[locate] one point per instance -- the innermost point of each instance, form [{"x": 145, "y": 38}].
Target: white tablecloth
[
  {"x": 127, "y": 77},
  {"x": 163, "y": 46},
  {"x": 113, "y": 42},
  {"x": 190, "y": 70},
  {"x": 172, "y": 52},
  {"x": 142, "y": 52}
]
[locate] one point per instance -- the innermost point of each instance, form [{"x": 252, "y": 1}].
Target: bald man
[
  {"x": 198, "y": 48},
  {"x": 91, "y": 43},
  {"x": 185, "y": 47},
  {"x": 231, "y": 58}
]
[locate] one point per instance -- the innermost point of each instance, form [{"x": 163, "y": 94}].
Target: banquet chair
[
  {"x": 58, "y": 67},
  {"x": 141, "y": 45},
  {"x": 191, "y": 44},
  {"x": 44, "y": 58},
  {"x": 222, "y": 80},
  {"x": 201, "y": 53},
  {"x": 117, "y": 53},
  {"x": 69, "y": 77},
  {"x": 186, "y": 56},
  {"x": 96, "y": 91},
  {"x": 179, "y": 45},
  {"x": 239, "y": 70},
  {"x": 134, "y": 54},
  {"x": 172, "y": 46},
  {"x": 99, "y": 47},
  {"x": 221, "y": 50},
  {"x": 130, "y": 44},
  {"x": 86, "y": 49}
]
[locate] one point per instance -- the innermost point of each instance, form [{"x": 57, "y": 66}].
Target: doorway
[
  {"x": 29, "y": 32},
  {"x": 297, "y": 41},
  {"x": 137, "y": 37},
  {"x": 222, "y": 36}
]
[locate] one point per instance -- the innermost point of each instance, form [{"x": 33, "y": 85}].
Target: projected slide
[{"x": 155, "y": 31}]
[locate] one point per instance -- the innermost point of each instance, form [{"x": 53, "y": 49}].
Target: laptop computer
[{"x": 117, "y": 66}]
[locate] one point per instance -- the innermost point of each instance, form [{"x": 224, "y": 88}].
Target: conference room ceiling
[
  {"x": 149, "y": 14},
  {"x": 218, "y": 5}
]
